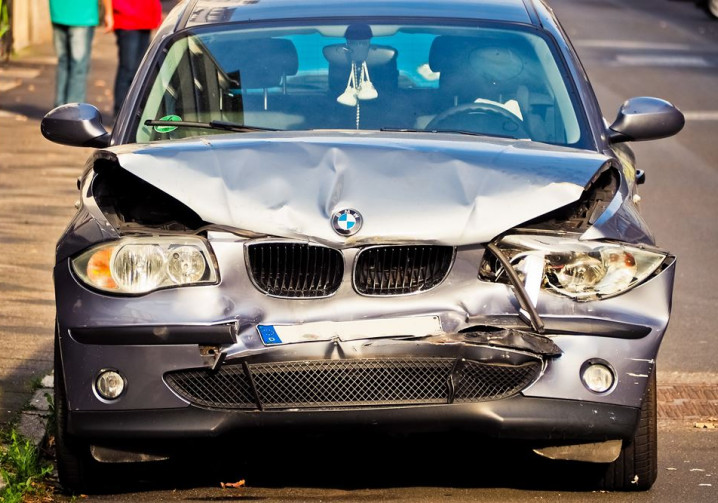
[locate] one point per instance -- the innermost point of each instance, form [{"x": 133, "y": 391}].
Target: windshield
[{"x": 492, "y": 80}]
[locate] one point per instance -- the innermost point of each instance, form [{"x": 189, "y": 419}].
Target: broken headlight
[
  {"x": 141, "y": 265},
  {"x": 582, "y": 270}
]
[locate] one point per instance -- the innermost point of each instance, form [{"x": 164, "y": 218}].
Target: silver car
[{"x": 390, "y": 215}]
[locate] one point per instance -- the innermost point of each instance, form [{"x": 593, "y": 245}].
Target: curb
[{"x": 34, "y": 418}]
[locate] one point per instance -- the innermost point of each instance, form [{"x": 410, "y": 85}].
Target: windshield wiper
[
  {"x": 215, "y": 124},
  {"x": 451, "y": 131}
]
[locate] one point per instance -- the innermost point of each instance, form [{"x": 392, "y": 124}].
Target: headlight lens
[
  {"x": 581, "y": 270},
  {"x": 141, "y": 265}
]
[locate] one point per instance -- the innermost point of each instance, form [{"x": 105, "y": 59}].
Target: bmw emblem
[{"x": 347, "y": 222}]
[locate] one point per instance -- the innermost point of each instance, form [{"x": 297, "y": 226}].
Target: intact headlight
[
  {"x": 582, "y": 270},
  {"x": 140, "y": 264}
]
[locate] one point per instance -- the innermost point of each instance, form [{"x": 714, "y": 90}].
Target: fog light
[
  {"x": 109, "y": 384},
  {"x": 597, "y": 377}
]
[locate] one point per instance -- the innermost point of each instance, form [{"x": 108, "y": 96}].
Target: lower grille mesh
[
  {"x": 352, "y": 383},
  {"x": 228, "y": 388}
]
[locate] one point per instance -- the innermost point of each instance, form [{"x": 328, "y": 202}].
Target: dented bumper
[{"x": 162, "y": 342}]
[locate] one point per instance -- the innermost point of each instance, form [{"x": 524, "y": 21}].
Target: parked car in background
[{"x": 387, "y": 214}]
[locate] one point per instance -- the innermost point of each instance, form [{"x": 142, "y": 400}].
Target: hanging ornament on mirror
[
  {"x": 349, "y": 96},
  {"x": 362, "y": 90},
  {"x": 366, "y": 88}
]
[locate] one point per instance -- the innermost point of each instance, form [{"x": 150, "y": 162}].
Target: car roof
[{"x": 205, "y": 12}]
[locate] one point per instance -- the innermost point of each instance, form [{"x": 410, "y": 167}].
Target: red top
[{"x": 137, "y": 14}]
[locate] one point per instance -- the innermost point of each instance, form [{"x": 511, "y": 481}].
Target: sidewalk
[
  {"x": 37, "y": 196},
  {"x": 27, "y": 81}
]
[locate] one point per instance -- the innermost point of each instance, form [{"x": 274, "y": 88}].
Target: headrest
[
  {"x": 484, "y": 56},
  {"x": 263, "y": 62},
  {"x": 496, "y": 64},
  {"x": 447, "y": 51}
]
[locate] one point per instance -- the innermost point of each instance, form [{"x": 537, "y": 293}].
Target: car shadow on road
[{"x": 350, "y": 462}]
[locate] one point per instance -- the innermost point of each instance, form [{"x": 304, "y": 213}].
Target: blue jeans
[
  {"x": 131, "y": 48},
  {"x": 73, "y": 45}
]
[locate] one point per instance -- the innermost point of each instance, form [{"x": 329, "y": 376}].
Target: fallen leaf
[{"x": 232, "y": 484}]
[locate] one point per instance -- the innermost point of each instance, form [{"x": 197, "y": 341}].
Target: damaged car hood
[{"x": 444, "y": 188}]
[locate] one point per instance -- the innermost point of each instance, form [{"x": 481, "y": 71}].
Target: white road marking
[
  {"x": 636, "y": 45},
  {"x": 711, "y": 115},
  {"x": 660, "y": 60}
]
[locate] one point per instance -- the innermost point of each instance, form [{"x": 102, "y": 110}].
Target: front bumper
[
  {"x": 148, "y": 337},
  {"x": 519, "y": 418}
]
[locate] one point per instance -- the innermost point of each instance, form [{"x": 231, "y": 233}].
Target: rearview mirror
[
  {"x": 645, "y": 118},
  {"x": 75, "y": 124}
]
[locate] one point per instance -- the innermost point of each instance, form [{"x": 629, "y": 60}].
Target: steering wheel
[{"x": 484, "y": 118}]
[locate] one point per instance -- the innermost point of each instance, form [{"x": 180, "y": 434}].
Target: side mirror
[
  {"x": 75, "y": 124},
  {"x": 645, "y": 119}
]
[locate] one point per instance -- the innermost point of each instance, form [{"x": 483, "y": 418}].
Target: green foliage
[
  {"x": 21, "y": 468},
  {"x": 35, "y": 382},
  {"x": 52, "y": 418},
  {"x": 4, "y": 18}
]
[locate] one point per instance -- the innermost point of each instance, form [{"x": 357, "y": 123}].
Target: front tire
[
  {"x": 75, "y": 465},
  {"x": 636, "y": 468}
]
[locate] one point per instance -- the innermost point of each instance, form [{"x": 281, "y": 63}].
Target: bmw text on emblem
[{"x": 346, "y": 222}]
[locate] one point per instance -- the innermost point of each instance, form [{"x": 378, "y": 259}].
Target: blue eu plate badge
[{"x": 269, "y": 335}]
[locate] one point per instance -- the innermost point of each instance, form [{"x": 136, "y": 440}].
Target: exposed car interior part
[
  {"x": 507, "y": 338},
  {"x": 584, "y": 212},
  {"x": 128, "y": 201}
]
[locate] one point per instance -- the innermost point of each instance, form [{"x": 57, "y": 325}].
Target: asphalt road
[{"x": 663, "y": 48}]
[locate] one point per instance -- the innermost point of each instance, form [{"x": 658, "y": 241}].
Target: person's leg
[
  {"x": 80, "y": 49},
  {"x": 131, "y": 48},
  {"x": 143, "y": 43},
  {"x": 60, "y": 39}
]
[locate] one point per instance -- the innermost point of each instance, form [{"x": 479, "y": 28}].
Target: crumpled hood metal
[{"x": 418, "y": 187}]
